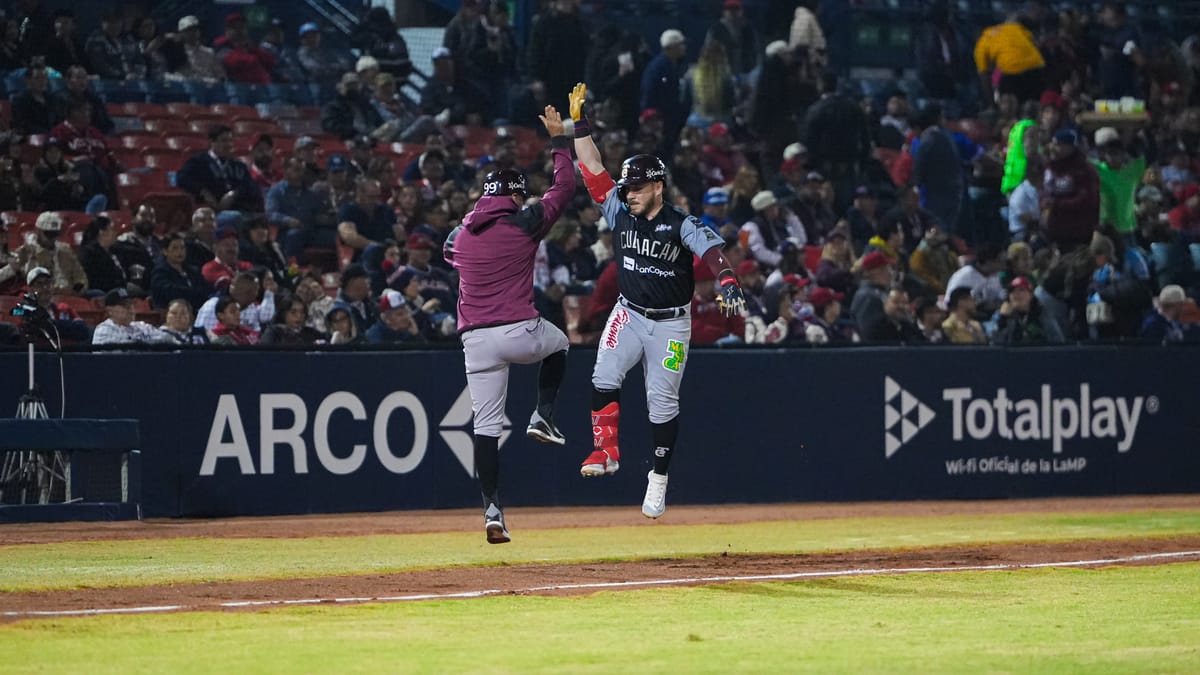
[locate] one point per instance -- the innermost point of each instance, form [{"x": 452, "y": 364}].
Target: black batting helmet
[
  {"x": 640, "y": 169},
  {"x": 503, "y": 182},
  {"x": 448, "y": 247}
]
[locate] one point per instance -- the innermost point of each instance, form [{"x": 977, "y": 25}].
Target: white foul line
[{"x": 602, "y": 585}]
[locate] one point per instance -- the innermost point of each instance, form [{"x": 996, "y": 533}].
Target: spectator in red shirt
[
  {"x": 245, "y": 61},
  {"x": 84, "y": 145},
  {"x": 229, "y": 329},
  {"x": 220, "y": 271},
  {"x": 1186, "y": 217},
  {"x": 709, "y": 324},
  {"x": 720, "y": 159}
]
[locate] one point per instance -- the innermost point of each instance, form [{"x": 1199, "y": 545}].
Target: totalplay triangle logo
[{"x": 903, "y": 416}]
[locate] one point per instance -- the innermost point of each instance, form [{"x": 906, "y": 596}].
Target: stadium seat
[
  {"x": 295, "y": 94},
  {"x": 247, "y": 94},
  {"x": 122, "y": 124},
  {"x": 169, "y": 163},
  {"x": 76, "y": 303},
  {"x": 119, "y": 217},
  {"x": 188, "y": 143},
  {"x": 812, "y": 258},
  {"x": 233, "y": 112},
  {"x": 173, "y": 208},
  {"x": 136, "y": 109},
  {"x": 167, "y": 91},
  {"x": 186, "y": 110},
  {"x": 166, "y": 126},
  {"x": 134, "y": 187},
  {"x": 300, "y": 127},
  {"x": 121, "y": 91},
  {"x": 204, "y": 93},
  {"x": 256, "y": 127}
]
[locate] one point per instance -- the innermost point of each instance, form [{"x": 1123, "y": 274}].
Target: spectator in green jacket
[{"x": 1120, "y": 173}]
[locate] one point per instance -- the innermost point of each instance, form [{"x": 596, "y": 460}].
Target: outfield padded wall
[{"x": 391, "y": 430}]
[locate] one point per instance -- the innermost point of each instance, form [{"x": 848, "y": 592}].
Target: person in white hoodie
[{"x": 772, "y": 224}]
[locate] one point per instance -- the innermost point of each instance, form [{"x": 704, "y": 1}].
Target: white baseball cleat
[
  {"x": 600, "y": 463},
  {"x": 655, "y": 502}
]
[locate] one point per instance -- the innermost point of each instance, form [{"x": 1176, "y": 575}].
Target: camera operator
[{"x": 67, "y": 275}]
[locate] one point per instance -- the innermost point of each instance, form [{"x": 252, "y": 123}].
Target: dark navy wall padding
[{"x": 757, "y": 426}]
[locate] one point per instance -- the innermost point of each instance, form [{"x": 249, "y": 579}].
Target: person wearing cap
[
  {"x": 737, "y": 36},
  {"x": 396, "y": 324},
  {"x": 806, "y": 199},
  {"x": 120, "y": 327},
  {"x": 448, "y": 96},
  {"x": 367, "y": 219},
  {"x": 195, "y": 60},
  {"x": 960, "y": 326},
  {"x": 243, "y": 60},
  {"x": 720, "y": 158},
  {"x": 1071, "y": 197},
  {"x": 349, "y": 113},
  {"x": 494, "y": 252},
  {"x": 298, "y": 211},
  {"x": 39, "y": 284},
  {"x": 661, "y": 83},
  {"x": 224, "y": 266},
  {"x": 716, "y": 211},
  {"x": 338, "y": 187},
  {"x": 822, "y": 325},
  {"x": 656, "y": 244},
  {"x": 771, "y": 225},
  {"x": 434, "y": 281},
  {"x": 1164, "y": 325},
  {"x": 45, "y": 250},
  {"x": 878, "y": 274},
  {"x": 1022, "y": 320},
  {"x": 317, "y": 63},
  {"x": 863, "y": 216},
  {"x": 1120, "y": 174},
  {"x": 218, "y": 179},
  {"x": 838, "y": 262}
]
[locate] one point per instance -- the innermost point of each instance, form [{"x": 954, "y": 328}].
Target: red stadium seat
[
  {"x": 172, "y": 207},
  {"x": 166, "y": 126},
  {"x": 188, "y": 110},
  {"x": 130, "y": 158},
  {"x": 77, "y": 303},
  {"x": 233, "y": 112},
  {"x": 255, "y": 127},
  {"x": 188, "y": 142},
  {"x": 119, "y": 217},
  {"x": 11, "y": 218},
  {"x": 169, "y": 161},
  {"x": 812, "y": 257},
  {"x": 137, "y": 109},
  {"x": 300, "y": 127}
]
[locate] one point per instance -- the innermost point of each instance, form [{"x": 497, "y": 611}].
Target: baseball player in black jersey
[{"x": 654, "y": 244}]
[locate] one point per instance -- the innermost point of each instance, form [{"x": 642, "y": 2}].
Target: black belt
[{"x": 656, "y": 314}]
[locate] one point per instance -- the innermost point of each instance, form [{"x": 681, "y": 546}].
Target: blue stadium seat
[
  {"x": 247, "y": 94},
  {"x": 169, "y": 92},
  {"x": 205, "y": 94},
  {"x": 295, "y": 94},
  {"x": 121, "y": 91},
  {"x": 14, "y": 82}
]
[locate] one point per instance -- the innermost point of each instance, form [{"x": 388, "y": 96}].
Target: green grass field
[
  {"x": 157, "y": 561},
  {"x": 1118, "y": 620}
]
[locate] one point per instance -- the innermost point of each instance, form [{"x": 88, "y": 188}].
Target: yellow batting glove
[{"x": 578, "y": 94}]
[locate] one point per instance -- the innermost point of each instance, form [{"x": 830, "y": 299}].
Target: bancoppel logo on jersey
[
  {"x": 1057, "y": 417},
  {"x": 663, "y": 227},
  {"x": 631, "y": 265}
]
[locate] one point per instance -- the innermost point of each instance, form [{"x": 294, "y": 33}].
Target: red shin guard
[{"x": 604, "y": 429}]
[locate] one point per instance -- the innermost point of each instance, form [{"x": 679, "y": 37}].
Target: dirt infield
[{"x": 519, "y": 578}]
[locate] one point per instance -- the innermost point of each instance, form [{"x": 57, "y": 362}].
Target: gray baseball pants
[
  {"x": 489, "y": 352},
  {"x": 660, "y": 346}
]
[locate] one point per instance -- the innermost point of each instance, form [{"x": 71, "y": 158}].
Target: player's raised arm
[{"x": 591, "y": 165}]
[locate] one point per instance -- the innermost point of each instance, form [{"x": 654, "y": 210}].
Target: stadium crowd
[{"x": 990, "y": 199}]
